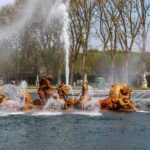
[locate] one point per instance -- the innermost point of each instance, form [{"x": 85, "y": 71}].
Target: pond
[{"x": 75, "y": 131}]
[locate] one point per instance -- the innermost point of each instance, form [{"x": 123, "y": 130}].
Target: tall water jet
[
  {"x": 36, "y": 12},
  {"x": 22, "y": 90},
  {"x": 66, "y": 40}
]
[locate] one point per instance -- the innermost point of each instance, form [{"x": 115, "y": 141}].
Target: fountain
[
  {"x": 14, "y": 97},
  {"x": 66, "y": 40},
  {"x": 59, "y": 117},
  {"x": 49, "y": 97},
  {"x": 119, "y": 99}
]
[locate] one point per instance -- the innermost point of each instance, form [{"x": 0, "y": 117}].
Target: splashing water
[
  {"x": 12, "y": 92},
  {"x": 16, "y": 95},
  {"x": 22, "y": 89},
  {"x": 54, "y": 104},
  {"x": 14, "y": 103},
  {"x": 71, "y": 91},
  {"x": 92, "y": 105},
  {"x": 90, "y": 90}
]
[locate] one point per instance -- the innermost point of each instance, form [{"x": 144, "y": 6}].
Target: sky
[{"x": 5, "y": 2}]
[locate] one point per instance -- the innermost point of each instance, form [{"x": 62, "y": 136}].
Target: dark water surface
[{"x": 112, "y": 131}]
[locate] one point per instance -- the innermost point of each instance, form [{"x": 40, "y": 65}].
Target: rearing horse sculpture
[
  {"x": 119, "y": 99},
  {"x": 46, "y": 90}
]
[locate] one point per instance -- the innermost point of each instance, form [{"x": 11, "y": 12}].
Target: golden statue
[
  {"x": 45, "y": 90},
  {"x": 119, "y": 99}
]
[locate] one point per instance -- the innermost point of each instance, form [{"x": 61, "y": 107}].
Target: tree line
[{"x": 120, "y": 27}]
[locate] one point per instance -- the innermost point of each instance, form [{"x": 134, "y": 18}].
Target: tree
[
  {"x": 143, "y": 10},
  {"x": 83, "y": 11},
  {"x": 129, "y": 28},
  {"x": 75, "y": 44},
  {"x": 108, "y": 31}
]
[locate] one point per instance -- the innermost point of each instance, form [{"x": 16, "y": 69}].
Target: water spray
[
  {"x": 22, "y": 89},
  {"x": 66, "y": 40}
]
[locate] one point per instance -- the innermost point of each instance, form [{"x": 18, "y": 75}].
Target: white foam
[
  {"x": 142, "y": 111},
  {"x": 3, "y": 114},
  {"x": 47, "y": 113},
  {"x": 52, "y": 113},
  {"x": 86, "y": 113}
]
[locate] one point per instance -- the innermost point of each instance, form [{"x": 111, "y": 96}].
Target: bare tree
[
  {"x": 108, "y": 31},
  {"x": 129, "y": 27},
  {"x": 143, "y": 11},
  {"x": 75, "y": 44},
  {"x": 84, "y": 12}
]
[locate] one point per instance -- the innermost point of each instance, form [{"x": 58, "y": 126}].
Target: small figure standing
[{"x": 144, "y": 81}]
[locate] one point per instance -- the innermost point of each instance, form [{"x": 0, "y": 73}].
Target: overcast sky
[{"x": 5, "y": 2}]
